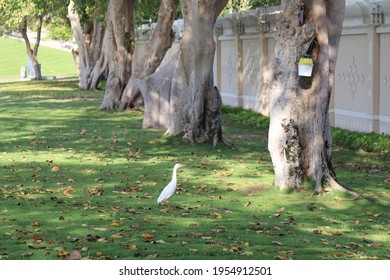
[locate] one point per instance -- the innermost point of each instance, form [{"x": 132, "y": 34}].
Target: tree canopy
[
  {"x": 244, "y": 5},
  {"x": 22, "y": 16},
  {"x": 13, "y": 13}
]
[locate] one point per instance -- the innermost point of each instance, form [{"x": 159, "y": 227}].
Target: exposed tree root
[{"x": 333, "y": 184}]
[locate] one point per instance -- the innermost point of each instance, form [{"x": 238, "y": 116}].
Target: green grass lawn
[
  {"x": 53, "y": 62},
  {"x": 76, "y": 182}
]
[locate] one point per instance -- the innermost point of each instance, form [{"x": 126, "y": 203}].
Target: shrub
[
  {"x": 370, "y": 142},
  {"x": 245, "y": 116}
]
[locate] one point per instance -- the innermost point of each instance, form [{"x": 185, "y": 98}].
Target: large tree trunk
[
  {"x": 194, "y": 101},
  {"x": 33, "y": 53},
  {"x": 200, "y": 102},
  {"x": 156, "y": 92},
  {"x": 116, "y": 52},
  {"x": 88, "y": 41},
  {"x": 299, "y": 133},
  {"x": 160, "y": 42}
]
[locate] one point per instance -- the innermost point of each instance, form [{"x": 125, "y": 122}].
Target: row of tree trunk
[
  {"x": 178, "y": 92},
  {"x": 180, "y": 96}
]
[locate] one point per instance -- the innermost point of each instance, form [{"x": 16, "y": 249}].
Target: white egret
[{"x": 169, "y": 190}]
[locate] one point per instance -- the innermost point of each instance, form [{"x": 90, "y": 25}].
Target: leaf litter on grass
[{"x": 77, "y": 189}]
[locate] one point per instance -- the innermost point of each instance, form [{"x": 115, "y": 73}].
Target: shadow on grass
[{"x": 75, "y": 178}]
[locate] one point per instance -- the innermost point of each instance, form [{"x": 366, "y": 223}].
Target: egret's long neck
[{"x": 174, "y": 174}]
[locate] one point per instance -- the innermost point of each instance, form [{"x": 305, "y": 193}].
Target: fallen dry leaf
[
  {"x": 99, "y": 229},
  {"x": 37, "y": 239},
  {"x": 286, "y": 253},
  {"x": 217, "y": 215},
  {"x": 55, "y": 168},
  {"x": 63, "y": 254},
  {"x": 115, "y": 224},
  {"x": 131, "y": 247},
  {"x": 67, "y": 192},
  {"x": 147, "y": 235},
  {"x": 75, "y": 255},
  {"x": 197, "y": 234},
  {"x": 72, "y": 238},
  {"x": 234, "y": 249},
  {"x": 336, "y": 254},
  {"x": 27, "y": 254}
]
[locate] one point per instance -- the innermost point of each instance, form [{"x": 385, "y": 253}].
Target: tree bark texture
[
  {"x": 33, "y": 52},
  {"x": 89, "y": 40},
  {"x": 194, "y": 103},
  {"x": 156, "y": 92},
  {"x": 201, "y": 101},
  {"x": 116, "y": 51},
  {"x": 160, "y": 42},
  {"x": 300, "y": 133}
]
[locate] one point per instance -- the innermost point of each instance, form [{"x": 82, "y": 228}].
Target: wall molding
[{"x": 360, "y": 115}]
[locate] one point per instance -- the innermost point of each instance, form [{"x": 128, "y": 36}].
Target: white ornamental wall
[{"x": 245, "y": 52}]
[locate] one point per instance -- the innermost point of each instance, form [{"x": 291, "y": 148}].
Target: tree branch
[
  {"x": 39, "y": 29},
  {"x": 23, "y": 30}
]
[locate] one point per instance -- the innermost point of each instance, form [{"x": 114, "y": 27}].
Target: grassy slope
[
  {"x": 75, "y": 178},
  {"x": 13, "y": 55}
]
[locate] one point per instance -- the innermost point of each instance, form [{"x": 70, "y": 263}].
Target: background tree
[
  {"x": 86, "y": 19},
  {"x": 300, "y": 134},
  {"x": 196, "y": 101},
  {"x": 264, "y": 3},
  {"x": 245, "y": 5},
  {"x": 238, "y": 5},
  {"x": 116, "y": 51},
  {"x": 22, "y": 16},
  {"x": 161, "y": 40},
  {"x": 146, "y": 11},
  {"x": 180, "y": 96},
  {"x": 59, "y": 28}
]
